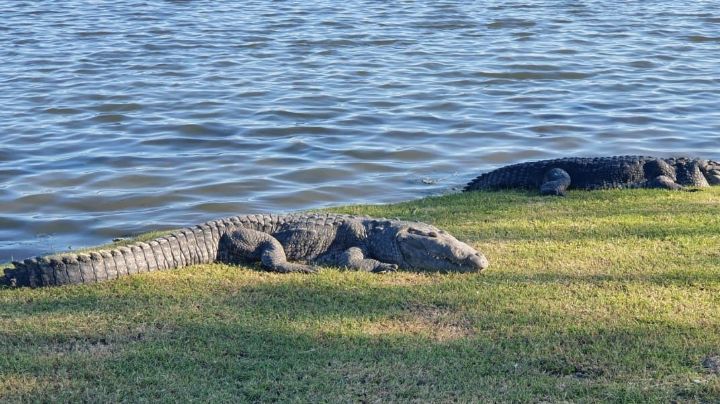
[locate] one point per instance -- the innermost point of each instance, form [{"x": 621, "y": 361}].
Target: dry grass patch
[
  {"x": 407, "y": 279},
  {"x": 434, "y": 323}
]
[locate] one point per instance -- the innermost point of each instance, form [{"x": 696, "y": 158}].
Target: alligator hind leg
[
  {"x": 354, "y": 258},
  {"x": 246, "y": 245},
  {"x": 555, "y": 182}
]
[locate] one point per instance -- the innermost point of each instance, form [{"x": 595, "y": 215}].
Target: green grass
[{"x": 600, "y": 296}]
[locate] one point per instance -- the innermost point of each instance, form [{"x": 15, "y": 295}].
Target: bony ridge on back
[
  {"x": 281, "y": 243},
  {"x": 554, "y": 177}
]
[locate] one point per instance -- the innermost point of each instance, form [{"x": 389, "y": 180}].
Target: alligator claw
[{"x": 385, "y": 268}]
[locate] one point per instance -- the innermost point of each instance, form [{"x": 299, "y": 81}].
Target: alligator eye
[{"x": 423, "y": 233}]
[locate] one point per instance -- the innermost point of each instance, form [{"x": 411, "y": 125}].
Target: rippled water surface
[{"x": 121, "y": 117}]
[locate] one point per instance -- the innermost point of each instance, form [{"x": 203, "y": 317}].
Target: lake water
[{"x": 125, "y": 116}]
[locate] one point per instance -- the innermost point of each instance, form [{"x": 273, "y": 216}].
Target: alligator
[
  {"x": 554, "y": 177},
  {"x": 281, "y": 243}
]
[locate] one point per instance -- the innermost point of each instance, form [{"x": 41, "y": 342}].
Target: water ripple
[{"x": 121, "y": 117}]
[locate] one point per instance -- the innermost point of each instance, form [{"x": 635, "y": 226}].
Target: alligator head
[
  {"x": 426, "y": 247},
  {"x": 711, "y": 170},
  {"x": 696, "y": 172}
]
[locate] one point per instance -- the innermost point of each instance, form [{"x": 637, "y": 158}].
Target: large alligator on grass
[
  {"x": 553, "y": 177},
  {"x": 281, "y": 243}
]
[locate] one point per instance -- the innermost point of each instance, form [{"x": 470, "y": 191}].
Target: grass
[{"x": 600, "y": 296}]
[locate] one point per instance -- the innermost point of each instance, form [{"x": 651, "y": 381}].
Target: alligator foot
[
  {"x": 555, "y": 182},
  {"x": 354, "y": 258},
  {"x": 246, "y": 245},
  {"x": 285, "y": 267},
  {"x": 665, "y": 182}
]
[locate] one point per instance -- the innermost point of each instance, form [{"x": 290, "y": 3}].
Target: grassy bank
[{"x": 598, "y": 296}]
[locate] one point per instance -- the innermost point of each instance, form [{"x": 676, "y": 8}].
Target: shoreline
[{"x": 599, "y": 296}]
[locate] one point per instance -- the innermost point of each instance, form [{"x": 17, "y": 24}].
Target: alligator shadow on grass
[{"x": 302, "y": 340}]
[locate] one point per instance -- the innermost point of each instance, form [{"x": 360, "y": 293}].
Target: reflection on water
[{"x": 120, "y": 117}]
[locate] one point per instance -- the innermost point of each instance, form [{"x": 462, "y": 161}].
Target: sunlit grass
[{"x": 600, "y": 296}]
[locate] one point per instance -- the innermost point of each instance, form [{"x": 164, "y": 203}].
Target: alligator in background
[
  {"x": 361, "y": 243},
  {"x": 553, "y": 177}
]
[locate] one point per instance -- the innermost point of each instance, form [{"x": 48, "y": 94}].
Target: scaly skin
[
  {"x": 282, "y": 243},
  {"x": 553, "y": 177}
]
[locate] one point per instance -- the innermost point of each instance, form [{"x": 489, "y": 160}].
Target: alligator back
[
  {"x": 586, "y": 173},
  {"x": 188, "y": 246}
]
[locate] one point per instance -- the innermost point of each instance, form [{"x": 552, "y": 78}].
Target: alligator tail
[
  {"x": 523, "y": 175},
  {"x": 482, "y": 181},
  {"x": 184, "y": 247}
]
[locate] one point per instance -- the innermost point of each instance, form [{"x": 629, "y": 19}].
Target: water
[{"x": 126, "y": 116}]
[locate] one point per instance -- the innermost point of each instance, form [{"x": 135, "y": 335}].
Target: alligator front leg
[
  {"x": 665, "y": 182},
  {"x": 354, "y": 258},
  {"x": 660, "y": 174},
  {"x": 555, "y": 182},
  {"x": 245, "y": 245}
]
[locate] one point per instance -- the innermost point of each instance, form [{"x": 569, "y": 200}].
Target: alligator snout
[{"x": 477, "y": 261}]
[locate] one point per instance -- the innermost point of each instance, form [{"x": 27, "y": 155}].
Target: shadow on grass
[{"x": 307, "y": 342}]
